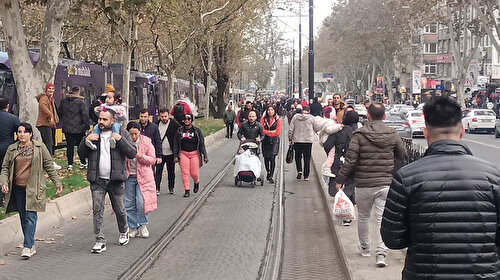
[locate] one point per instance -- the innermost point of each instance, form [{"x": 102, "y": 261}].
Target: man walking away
[
  {"x": 301, "y": 134},
  {"x": 75, "y": 121},
  {"x": 9, "y": 123},
  {"x": 229, "y": 119},
  {"x": 370, "y": 156},
  {"x": 445, "y": 206},
  {"x": 316, "y": 108},
  {"x": 168, "y": 128},
  {"x": 107, "y": 172}
]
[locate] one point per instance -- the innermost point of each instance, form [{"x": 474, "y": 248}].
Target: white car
[
  {"x": 479, "y": 119},
  {"x": 361, "y": 110},
  {"x": 416, "y": 121}
]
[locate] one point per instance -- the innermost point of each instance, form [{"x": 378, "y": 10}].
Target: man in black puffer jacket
[{"x": 446, "y": 206}]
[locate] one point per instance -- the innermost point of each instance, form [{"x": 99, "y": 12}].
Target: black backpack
[{"x": 179, "y": 112}]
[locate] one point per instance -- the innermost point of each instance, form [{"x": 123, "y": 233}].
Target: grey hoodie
[{"x": 302, "y": 129}]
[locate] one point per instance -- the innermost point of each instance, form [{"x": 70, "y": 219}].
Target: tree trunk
[
  {"x": 170, "y": 88},
  {"x": 30, "y": 80},
  {"x": 209, "y": 76}
]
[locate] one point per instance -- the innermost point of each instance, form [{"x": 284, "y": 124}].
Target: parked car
[
  {"x": 479, "y": 119},
  {"x": 401, "y": 108},
  {"x": 399, "y": 122},
  {"x": 417, "y": 122},
  {"x": 361, "y": 110},
  {"x": 497, "y": 127}
]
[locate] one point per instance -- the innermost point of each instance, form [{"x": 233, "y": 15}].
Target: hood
[
  {"x": 303, "y": 117},
  {"x": 70, "y": 95},
  {"x": 40, "y": 96},
  {"x": 447, "y": 147},
  {"x": 379, "y": 134}
]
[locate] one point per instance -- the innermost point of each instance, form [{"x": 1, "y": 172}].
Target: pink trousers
[{"x": 190, "y": 166}]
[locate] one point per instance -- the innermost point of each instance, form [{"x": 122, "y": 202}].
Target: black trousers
[
  {"x": 48, "y": 137},
  {"x": 270, "y": 163},
  {"x": 169, "y": 161},
  {"x": 229, "y": 129},
  {"x": 72, "y": 140},
  {"x": 303, "y": 150}
]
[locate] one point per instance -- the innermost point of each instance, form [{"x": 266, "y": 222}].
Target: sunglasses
[{"x": 187, "y": 117}]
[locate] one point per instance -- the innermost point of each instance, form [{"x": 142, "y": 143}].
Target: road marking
[{"x": 480, "y": 143}]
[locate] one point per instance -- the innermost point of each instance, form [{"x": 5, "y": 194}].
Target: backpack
[{"x": 179, "y": 112}]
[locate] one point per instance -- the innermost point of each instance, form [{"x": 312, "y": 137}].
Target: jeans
[
  {"x": 48, "y": 137},
  {"x": 134, "y": 203},
  {"x": 366, "y": 198},
  {"x": 190, "y": 165},
  {"x": 72, "y": 140},
  {"x": 28, "y": 218},
  {"x": 116, "y": 190},
  {"x": 270, "y": 164},
  {"x": 169, "y": 161},
  {"x": 303, "y": 150},
  {"x": 115, "y": 128},
  {"x": 229, "y": 129}
]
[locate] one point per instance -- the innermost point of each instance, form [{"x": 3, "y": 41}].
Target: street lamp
[{"x": 311, "y": 49}]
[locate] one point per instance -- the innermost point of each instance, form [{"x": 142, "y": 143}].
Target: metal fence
[{"x": 413, "y": 153}]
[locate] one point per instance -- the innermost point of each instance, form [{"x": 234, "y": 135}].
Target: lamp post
[
  {"x": 300, "y": 53},
  {"x": 311, "y": 50}
]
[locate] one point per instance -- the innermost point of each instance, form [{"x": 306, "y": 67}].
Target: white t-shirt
[
  {"x": 165, "y": 144},
  {"x": 105, "y": 156}
]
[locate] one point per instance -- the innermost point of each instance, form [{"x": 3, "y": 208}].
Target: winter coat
[
  {"x": 271, "y": 141},
  {"x": 9, "y": 123},
  {"x": 47, "y": 114},
  {"x": 250, "y": 131},
  {"x": 445, "y": 209},
  {"x": 124, "y": 149},
  {"x": 325, "y": 128},
  {"x": 371, "y": 155},
  {"x": 35, "y": 189},
  {"x": 316, "y": 109},
  {"x": 74, "y": 114},
  {"x": 340, "y": 142},
  {"x": 145, "y": 176},
  {"x": 151, "y": 131},
  {"x": 187, "y": 108},
  {"x": 303, "y": 128},
  {"x": 202, "y": 151},
  {"x": 229, "y": 117}
]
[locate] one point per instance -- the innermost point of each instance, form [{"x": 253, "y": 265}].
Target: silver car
[{"x": 399, "y": 122}]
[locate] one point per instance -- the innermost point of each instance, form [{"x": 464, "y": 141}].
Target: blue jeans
[
  {"x": 115, "y": 128},
  {"x": 28, "y": 218},
  {"x": 134, "y": 203}
]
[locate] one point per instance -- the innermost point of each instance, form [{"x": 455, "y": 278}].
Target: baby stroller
[{"x": 247, "y": 165}]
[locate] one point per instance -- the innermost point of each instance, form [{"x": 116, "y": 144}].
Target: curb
[
  {"x": 60, "y": 210},
  {"x": 328, "y": 200}
]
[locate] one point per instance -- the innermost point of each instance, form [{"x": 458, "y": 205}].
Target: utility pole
[
  {"x": 311, "y": 50},
  {"x": 300, "y": 53},
  {"x": 293, "y": 69}
]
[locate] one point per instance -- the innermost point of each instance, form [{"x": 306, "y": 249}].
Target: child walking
[{"x": 327, "y": 166}]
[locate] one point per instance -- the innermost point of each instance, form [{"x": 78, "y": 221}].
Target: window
[
  {"x": 430, "y": 48},
  {"x": 430, "y": 68},
  {"x": 430, "y": 29}
]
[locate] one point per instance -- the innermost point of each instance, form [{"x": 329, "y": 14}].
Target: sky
[{"x": 322, "y": 9}]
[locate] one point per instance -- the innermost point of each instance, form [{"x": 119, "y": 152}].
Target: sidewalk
[
  {"x": 64, "y": 233},
  {"x": 359, "y": 268}
]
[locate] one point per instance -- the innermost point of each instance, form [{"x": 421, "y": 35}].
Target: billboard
[
  {"x": 320, "y": 77},
  {"x": 416, "y": 86}
]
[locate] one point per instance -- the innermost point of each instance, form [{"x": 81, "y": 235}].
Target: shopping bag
[
  {"x": 343, "y": 209},
  {"x": 289, "y": 154}
]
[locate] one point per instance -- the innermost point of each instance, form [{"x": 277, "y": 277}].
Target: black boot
[
  {"x": 186, "y": 193},
  {"x": 196, "y": 187}
]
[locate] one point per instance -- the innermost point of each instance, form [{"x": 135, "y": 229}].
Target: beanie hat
[
  {"x": 109, "y": 88},
  {"x": 48, "y": 85}
]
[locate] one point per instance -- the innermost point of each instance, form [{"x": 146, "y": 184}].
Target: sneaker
[
  {"x": 306, "y": 178},
  {"x": 83, "y": 165},
  {"x": 99, "y": 247},
  {"x": 133, "y": 232},
  {"x": 328, "y": 173},
  {"x": 70, "y": 167},
  {"x": 186, "y": 193},
  {"x": 299, "y": 175},
  {"x": 143, "y": 231},
  {"x": 124, "y": 238},
  {"x": 112, "y": 143},
  {"x": 346, "y": 223},
  {"x": 157, "y": 192},
  {"x": 57, "y": 166},
  {"x": 171, "y": 191},
  {"x": 365, "y": 252},
  {"x": 28, "y": 252},
  {"x": 381, "y": 261},
  {"x": 91, "y": 145}
]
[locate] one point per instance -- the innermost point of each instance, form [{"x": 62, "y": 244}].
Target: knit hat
[
  {"x": 109, "y": 88},
  {"x": 48, "y": 85}
]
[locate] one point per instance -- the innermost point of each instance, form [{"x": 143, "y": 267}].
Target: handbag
[{"x": 289, "y": 154}]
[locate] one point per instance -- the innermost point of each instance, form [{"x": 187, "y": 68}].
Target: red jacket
[
  {"x": 187, "y": 109},
  {"x": 268, "y": 132}
]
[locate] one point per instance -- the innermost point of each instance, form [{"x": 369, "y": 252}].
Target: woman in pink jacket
[{"x": 140, "y": 188}]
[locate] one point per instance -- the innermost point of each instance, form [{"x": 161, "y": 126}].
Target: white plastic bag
[{"x": 343, "y": 209}]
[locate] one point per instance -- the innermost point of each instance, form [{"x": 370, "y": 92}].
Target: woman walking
[
  {"x": 189, "y": 148},
  {"x": 47, "y": 119},
  {"x": 23, "y": 180},
  {"x": 140, "y": 188},
  {"x": 271, "y": 123}
]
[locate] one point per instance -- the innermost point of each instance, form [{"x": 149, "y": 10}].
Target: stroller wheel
[{"x": 236, "y": 181}]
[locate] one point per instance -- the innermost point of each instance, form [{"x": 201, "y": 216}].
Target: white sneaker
[
  {"x": 328, "y": 173},
  {"x": 83, "y": 165},
  {"x": 365, "y": 252},
  {"x": 99, "y": 247},
  {"x": 124, "y": 238},
  {"x": 381, "y": 261},
  {"x": 143, "y": 231},
  {"x": 28, "y": 252},
  {"x": 91, "y": 145},
  {"x": 70, "y": 167},
  {"x": 57, "y": 166},
  {"x": 133, "y": 232}
]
